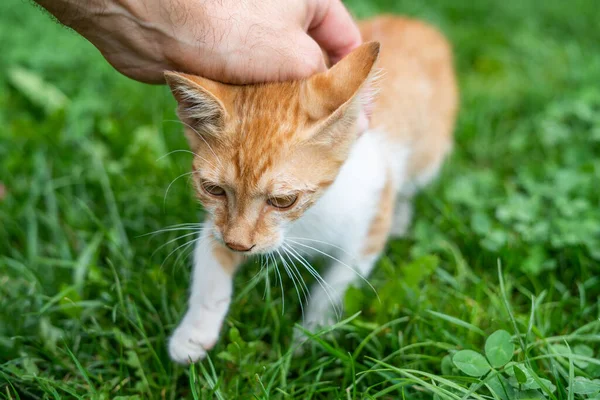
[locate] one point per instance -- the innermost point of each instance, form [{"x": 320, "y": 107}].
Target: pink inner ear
[
  {"x": 362, "y": 122},
  {"x": 366, "y": 109},
  {"x": 368, "y": 101}
]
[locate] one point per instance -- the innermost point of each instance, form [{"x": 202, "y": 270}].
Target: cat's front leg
[{"x": 211, "y": 290}]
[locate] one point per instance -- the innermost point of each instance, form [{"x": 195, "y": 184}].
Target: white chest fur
[
  {"x": 342, "y": 216},
  {"x": 335, "y": 227}
]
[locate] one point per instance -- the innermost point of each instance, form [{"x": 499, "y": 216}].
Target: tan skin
[{"x": 233, "y": 41}]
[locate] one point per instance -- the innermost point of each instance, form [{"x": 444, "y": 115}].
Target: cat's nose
[{"x": 238, "y": 247}]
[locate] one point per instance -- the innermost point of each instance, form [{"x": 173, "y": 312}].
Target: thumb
[
  {"x": 333, "y": 28},
  {"x": 299, "y": 57}
]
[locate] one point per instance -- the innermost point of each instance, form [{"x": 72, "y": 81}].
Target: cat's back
[{"x": 417, "y": 96}]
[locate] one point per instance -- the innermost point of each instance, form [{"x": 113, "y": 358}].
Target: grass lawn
[{"x": 507, "y": 239}]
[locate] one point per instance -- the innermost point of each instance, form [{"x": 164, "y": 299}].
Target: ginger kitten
[{"x": 281, "y": 168}]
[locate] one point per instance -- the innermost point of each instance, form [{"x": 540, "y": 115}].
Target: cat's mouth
[
  {"x": 254, "y": 250},
  {"x": 249, "y": 250}
]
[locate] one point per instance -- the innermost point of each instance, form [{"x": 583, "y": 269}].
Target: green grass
[{"x": 507, "y": 239}]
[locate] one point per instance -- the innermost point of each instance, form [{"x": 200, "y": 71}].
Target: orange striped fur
[{"x": 278, "y": 160}]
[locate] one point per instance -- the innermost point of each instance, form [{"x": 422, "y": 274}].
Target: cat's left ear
[
  {"x": 334, "y": 98},
  {"x": 200, "y": 104}
]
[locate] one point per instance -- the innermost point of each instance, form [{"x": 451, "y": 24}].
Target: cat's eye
[
  {"x": 282, "y": 202},
  {"x": 213, "y": 189}
]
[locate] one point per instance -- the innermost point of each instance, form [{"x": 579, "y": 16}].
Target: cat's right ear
[
  {"x": 335, "y": 98},
  {"x": 199, "y": 104}
]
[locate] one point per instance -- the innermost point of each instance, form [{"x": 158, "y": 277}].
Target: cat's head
[{"x": 265, "y": 153}]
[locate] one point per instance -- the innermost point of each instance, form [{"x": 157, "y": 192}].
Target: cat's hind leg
[
  {"x": 403, "y": 211},
  {"x": 402, "y": 217},
  {"x": 326, "y": 298}
]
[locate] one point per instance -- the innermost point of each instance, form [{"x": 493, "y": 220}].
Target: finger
[
  {"x": 294, "y": 55},
  {"x": 334, "y": 29},
  {"x": 304, "y": 58}
]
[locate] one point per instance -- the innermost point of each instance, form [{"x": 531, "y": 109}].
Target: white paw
[{"x": 192, "y": 339}]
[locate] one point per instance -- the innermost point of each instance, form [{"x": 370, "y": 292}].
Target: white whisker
[
  {"x": 201, "y": 137},
  {"x": 342, "y": 263},
  {"x": 264, "y": 266},
  {"x": 183, "y": 253},
  {"x": 320, "y": 241},
  {"x": 280, "y": 282},
  {"x": 174, "y": 180},
  {"x": 174, "y": 240},
  {"x": 178, "y": 227},
  {"x": 327, "y": 288},
  {"x": 298, "y": 274},
  {"x": 293, "y": 281},
  {"x": 178, "y": 247},
  {"x": 179, "y": 151},
  {"x": 259, "y": 274}
]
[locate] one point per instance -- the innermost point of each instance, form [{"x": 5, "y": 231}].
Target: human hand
[{"x": 234, "y": 41}]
